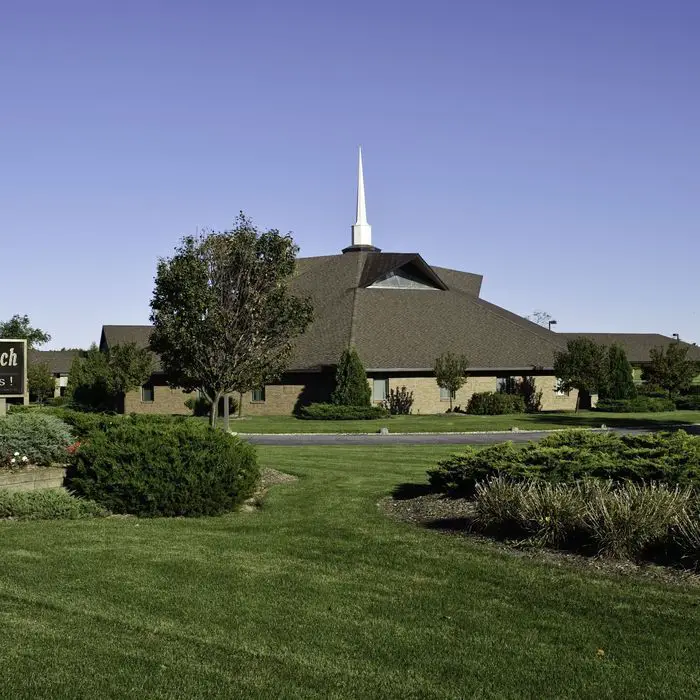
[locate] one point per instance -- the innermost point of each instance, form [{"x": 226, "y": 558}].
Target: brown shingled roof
[
  {"x": 636, "y": 345},
  {"x": 409, "y": 328},
  {"x": 58, "y": 361},
  {"x": 399, "y": 328}
]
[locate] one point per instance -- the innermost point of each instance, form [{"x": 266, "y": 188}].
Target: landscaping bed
[
  {"x": 630, "y": 498},
  {"x": 456, "y": 516}
]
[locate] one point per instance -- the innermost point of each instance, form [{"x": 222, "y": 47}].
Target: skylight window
[{"x": 400, "y": 279}]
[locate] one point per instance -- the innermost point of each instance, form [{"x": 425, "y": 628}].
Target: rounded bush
[
  {"x": 42, "y": 437},
  {"x": 175, "y": 468},
  {"x": 331, "y": 411},
  {"x": 493, "y": 403}
]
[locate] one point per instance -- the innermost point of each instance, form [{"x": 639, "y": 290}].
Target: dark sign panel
[{"x": 13, "y": 368}]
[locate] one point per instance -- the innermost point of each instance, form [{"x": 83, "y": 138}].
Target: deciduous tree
[
  {"x": 451, "y": 372},
  {"x": 97, "y": 380},
  {"x": 671, "y": 368},
  {"x": 581, "y": 367},
  {"x": 40, "y": 380},
  {"x": 20, "y": 327},
  {"x": 223, "y": 318}
]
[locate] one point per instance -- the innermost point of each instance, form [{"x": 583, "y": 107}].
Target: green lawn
[
  {"x": 457, "y": 422},
  {"x": 319, "y": 596}
]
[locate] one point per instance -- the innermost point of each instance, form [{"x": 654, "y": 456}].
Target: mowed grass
[
  {"x": 458, "y": 422},
  {"x": 318, "y": 595}
]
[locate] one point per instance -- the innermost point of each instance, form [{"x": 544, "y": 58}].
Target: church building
[{"x": 400, "y": 313}]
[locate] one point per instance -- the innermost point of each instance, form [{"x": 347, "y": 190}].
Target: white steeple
[{"x": 361, "y": 230}]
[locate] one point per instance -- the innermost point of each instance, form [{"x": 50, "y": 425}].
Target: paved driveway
[{"x": 403, "y": 438}]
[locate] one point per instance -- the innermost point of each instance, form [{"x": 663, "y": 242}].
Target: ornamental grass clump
[
  {"x": 619, "y": 521},
  {"x": 499, "y": 505},
  {"x": 552, "y": 513},
  {"x": 624, "y": 521},
  {"x": 40, "y": 437},
  {"x": 687, "y": 536}
]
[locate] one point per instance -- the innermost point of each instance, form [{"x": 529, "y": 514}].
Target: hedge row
[
  {"x": 493, "y": 403},
  {"x": 573, "y": 455},
  {"x": 330, "y": 411},
  {"x": 639, "y": 404}
]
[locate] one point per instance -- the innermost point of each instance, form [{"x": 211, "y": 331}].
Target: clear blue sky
[{"x": 552, "y": 146}]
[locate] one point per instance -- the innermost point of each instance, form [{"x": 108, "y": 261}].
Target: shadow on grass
[
  {"x": 458, "y": 524},
  {"x": 407, "y": 491},
  {"x": 593, "y": 419}
]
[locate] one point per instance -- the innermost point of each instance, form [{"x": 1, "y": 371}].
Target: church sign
[{"x": 13, "y": 368}]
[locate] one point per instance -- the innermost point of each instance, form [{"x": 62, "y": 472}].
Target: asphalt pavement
[{"x": 402, "y": 438}]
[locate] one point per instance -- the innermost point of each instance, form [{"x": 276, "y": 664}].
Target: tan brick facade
[
  {"x": 426, "y": 392},
  {"x": 281, "y": 399},
  {"x": 165, "y": 401},
  {"x": 551, "y": 400}
]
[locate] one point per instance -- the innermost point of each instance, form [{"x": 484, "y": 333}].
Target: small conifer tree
[
  {"x": 619, "y": 384},
  {"x": 351, "y": 386}
]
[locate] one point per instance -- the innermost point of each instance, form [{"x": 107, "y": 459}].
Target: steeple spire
[{"x": 361, "y": 230}]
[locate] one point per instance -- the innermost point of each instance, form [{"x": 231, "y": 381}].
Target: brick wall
[
  {"x": 426, "y": 392},
  {"x": 282, "y": 397},
  {"x": 165, "y": 400},
  {"x": 551, "y": 401}
]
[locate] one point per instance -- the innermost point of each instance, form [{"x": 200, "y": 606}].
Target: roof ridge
[
  {"x": 361, "y": 260},
  {"x": 526, "y": 326}
]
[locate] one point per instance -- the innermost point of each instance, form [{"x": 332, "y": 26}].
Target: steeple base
[{"x": 361, "y": 248}]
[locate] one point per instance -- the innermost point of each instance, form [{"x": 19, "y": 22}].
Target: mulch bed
[
  {"x": 268, "y": 477},
  {"x": 453, "y": 516}
]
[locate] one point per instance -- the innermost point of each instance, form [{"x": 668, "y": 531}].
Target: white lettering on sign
[{"x": 8, "y": 359}]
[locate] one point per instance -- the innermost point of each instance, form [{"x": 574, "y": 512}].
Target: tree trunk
[
  {"x": 227, "y": 408},
  {"x": 240, "y": 404},
  {"x": 214, "y": 414},
  {"x": 578, "y": 400}
]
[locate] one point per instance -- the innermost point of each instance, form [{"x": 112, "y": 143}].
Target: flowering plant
[
  {"x": 14, "y": 460},
  {"x": 71, "y": 449}
]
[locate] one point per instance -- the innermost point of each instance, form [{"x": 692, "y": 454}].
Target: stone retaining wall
[{"x": 33, "y": 478}]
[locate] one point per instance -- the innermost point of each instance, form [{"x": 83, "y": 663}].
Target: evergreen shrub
[
  {"x": 493, "y": 403},
  {"x": 163, "y": 468},
  {"x": 688, "y": 403},
  {"x": 330, "y": 411},
  {"x": 569, "y": 456},
  {"x": 351, "y": 385},
  {"x": 37, "y": 434},
  {"x": 640, "y": 404},
  {"x": 47, "y": 504}
]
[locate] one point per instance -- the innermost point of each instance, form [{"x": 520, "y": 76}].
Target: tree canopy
[
  {"x": 451, "y": 372},
  {"x": 20, "y": 327},
  {"x": 98, "y": 380},
  {"x": 40, "y": 381},
  {"x": 223, "y": 318},
  {"x": 670, "y": 368},
  {"x": 581, "y": 366}
]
